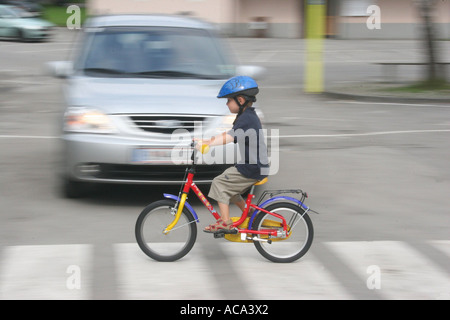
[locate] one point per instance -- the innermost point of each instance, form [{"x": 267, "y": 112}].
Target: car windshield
[
  {"x": 13, "y": 12},
  {"x": 154, "y": 52}
]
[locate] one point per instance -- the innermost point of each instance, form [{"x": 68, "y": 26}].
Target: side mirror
[
  {"x": 255, "y": 72},
  {"x": 60, "y": 69}
]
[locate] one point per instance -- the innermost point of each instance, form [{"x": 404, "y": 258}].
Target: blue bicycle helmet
[{"x": 239, "y": 85}]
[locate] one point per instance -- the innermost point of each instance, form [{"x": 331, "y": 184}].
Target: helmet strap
[{"x": 241, "y": 107}]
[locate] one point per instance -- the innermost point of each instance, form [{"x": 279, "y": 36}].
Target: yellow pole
[{"x": 315, "y": 31}]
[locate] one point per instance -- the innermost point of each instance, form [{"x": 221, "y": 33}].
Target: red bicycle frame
[{"x": 190, "y": 184}]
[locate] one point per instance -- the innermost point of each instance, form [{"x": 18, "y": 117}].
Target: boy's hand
[{"x": 202, "y": 145}]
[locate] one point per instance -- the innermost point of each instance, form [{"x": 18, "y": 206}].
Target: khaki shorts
[{"x": 228, "y": 186}]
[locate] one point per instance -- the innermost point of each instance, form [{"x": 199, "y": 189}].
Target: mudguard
[
  {"x": 275, "y": 199},
  {"x": 186, "y": 204}
]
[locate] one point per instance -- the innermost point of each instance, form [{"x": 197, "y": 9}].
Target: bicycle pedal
[
  {"x": 218, "y": 235},
  {"x": 221, "y": 233}
]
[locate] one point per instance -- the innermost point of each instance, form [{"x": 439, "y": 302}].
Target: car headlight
[
  {"x": 32, "y": 27},
  {"x": 87, "y": 121}
]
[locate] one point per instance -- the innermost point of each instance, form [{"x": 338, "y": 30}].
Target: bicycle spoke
[
  {"x": 293, "y": 222},
  {"x": 150, "y": 235},
  {"x": 295, "y": 244},
  {"x": 181, "y": 226}
]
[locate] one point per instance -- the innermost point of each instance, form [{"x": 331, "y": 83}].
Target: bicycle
[{"x": 166, "y": 229}]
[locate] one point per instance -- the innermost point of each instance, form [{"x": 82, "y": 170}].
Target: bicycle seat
[{"x": 261, "y": 182}]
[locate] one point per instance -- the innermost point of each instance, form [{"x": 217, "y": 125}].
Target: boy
[{"x": 227, "y": 188}]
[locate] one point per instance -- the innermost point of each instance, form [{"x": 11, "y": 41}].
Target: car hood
[
  {"x": 125, "y": 95},
  {"x": 31, "y": 22}
]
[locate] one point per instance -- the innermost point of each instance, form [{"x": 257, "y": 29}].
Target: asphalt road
[{"x": 378, "y": 173}]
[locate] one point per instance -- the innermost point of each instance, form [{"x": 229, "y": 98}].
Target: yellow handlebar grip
[{"x": 204, "y": 148}]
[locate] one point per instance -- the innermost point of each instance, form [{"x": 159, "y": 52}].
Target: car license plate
[{"x": 169, "y": 155}]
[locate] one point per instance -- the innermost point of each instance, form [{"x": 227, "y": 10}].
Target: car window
[
  {"x": 154, "y": 52},
  {"x": 4, "y": 13},
  {"x": 13, "y": 12}
]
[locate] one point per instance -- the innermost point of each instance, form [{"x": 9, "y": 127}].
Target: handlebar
[{"x": 204, "y": 148}]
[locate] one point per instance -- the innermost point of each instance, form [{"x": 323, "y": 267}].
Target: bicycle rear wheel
[
  {"x": 165, "y": 247},
  {"x": 299, "y": 238}
]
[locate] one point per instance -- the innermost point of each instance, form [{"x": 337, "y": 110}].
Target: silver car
[
  {"x": 138, "y": 90},
  {"x": 17, "y": 23}
]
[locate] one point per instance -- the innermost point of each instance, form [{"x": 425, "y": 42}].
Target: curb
[
  {"x": 379, "y": 92},
  {"x": 370, "y": 98}
]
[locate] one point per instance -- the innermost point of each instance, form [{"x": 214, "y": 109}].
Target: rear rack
[{"x": 272, "y": 193}]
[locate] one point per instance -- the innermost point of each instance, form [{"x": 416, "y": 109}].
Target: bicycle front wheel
[
  {"x": 150, "y": 225},
  {"x": 299, "y": 237}
]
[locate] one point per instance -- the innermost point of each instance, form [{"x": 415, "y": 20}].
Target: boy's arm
[{"x": 218, "y": 140}]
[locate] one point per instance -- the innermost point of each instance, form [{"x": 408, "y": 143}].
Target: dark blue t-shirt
[{"x": 248, "y": 134}]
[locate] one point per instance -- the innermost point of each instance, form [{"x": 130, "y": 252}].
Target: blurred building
[{"x": 346, "y": 19}]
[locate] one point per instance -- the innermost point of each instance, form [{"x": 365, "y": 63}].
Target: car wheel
[{"x": 20, "y": 35}]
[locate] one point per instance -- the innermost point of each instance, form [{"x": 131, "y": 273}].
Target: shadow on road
[{"x": 134, "y": 195}]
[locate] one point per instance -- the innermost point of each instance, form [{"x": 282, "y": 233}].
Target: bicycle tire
[
  {"x": 156, "y": 217},
  {"x": 304, "y": 230}
]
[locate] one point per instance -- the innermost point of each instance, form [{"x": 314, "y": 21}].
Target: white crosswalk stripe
[
  {"x": 403, "y": 272},
  {"x": 46, "y": 272},
  {"x": 442, "y": 245},
  {"x": 303, "y": 279},
  {"x": 392, "y": 269},
  {"x": 140, "y": 277}
]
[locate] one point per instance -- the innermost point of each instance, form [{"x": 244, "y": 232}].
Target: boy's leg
[
  {"x": 224, "y": 211},
  {"x": 224, "y": 223},
  {"x": 241, "y": 205},
  {"x": 238, "y": 201},
  {"x": 227, "y": 188}
]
